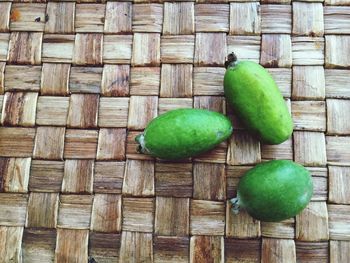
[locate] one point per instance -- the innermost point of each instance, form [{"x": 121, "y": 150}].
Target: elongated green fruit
[
  {"x": 184, "y": 133},
  {"x": 274, "y": 191},
  {"x": 256, "y": 99}
]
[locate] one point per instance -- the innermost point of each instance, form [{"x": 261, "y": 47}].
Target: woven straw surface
[{"x": 79, "y": 80}]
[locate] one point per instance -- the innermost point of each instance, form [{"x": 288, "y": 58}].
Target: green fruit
[
  {"x": 274, "y": 191},
  {"x": 183, "y": 133},
  {"x": 258, "y": 102}
]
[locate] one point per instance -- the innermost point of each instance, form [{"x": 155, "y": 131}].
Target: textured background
[{"x": 78, "y": 81}]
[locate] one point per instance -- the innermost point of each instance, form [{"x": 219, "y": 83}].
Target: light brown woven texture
[{"x": 78, "y": 82}]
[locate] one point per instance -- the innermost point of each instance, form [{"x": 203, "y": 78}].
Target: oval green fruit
[
  {"x": 255, "y": 97},
  {"x": 183, "y": 133},
  {"x": 274, "y": 190}
]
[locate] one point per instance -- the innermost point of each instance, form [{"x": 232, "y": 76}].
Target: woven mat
[{"x": 80, "y": 80}]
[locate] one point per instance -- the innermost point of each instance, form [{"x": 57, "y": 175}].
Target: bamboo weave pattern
[{"x": 79, "y": 80}]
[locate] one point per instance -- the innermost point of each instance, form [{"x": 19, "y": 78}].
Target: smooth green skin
[
  {"x": 183, "y": 133},
  {"x": 275, "y": 190},
  {"x": 256, "y": 99}
]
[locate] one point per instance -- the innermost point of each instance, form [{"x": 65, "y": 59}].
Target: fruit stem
[
  {"x": 235, "y": 205},
  {"x": 231, "y": 60},
  {"x": 140, "y": 139}
]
